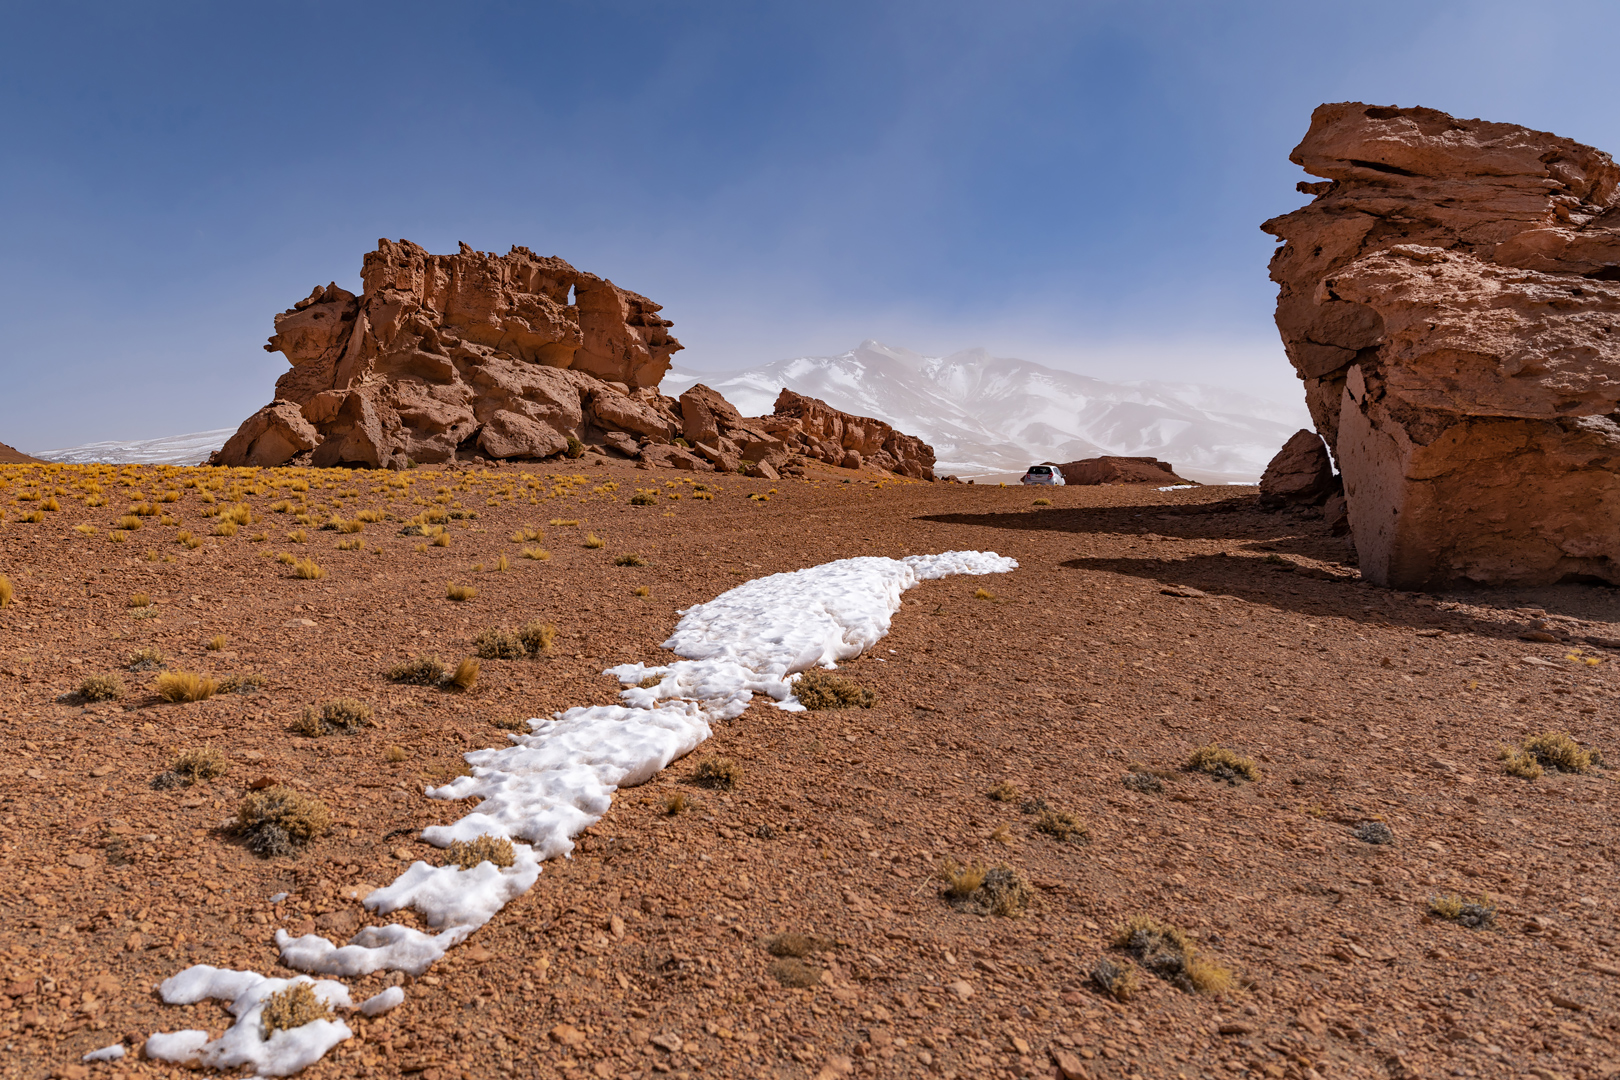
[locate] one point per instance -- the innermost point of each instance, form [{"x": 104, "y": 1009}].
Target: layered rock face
[
  {"x": 1451, "y": 300},
  {"x": 508, "y": 355},
  {"x": 518, "y": 356},
  {"x": 1119, "y": 470}
]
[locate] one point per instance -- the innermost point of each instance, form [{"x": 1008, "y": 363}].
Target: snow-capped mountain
[
  {"x": 985, "y": 415},
  {"x": 190, "y": 449}
]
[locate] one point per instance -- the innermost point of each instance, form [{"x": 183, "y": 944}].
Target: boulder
[
  {"x": 272, "y": 436},
  {"x": 1450, "y": 299},
  {"x": 1119, "y": 470},
  {"x": 817, "y": 430},
  {"x": 446, "y": 355},
  {"x": 1300, "y": 475},
  {"x": 704, "y": 413}
]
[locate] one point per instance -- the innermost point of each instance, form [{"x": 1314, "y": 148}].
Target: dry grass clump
[
  {"x": 629, "y": 559},
  {"x": 796, "y": 945},
  {"x": 499, "y": 643},
  {"x": 345, "y": 716},
  {"x": 820, "y": 689},
  {"x": 1061, "y": 826},
  {"x": 1556, "y": 750},
  {"x": 593, "y": 541},
  {"x": 491, "y": 849},
  {"x": 465, "y": 675},
  {"x": 396, "y": 754},
  {"x": 140, "y": 599},
  {"x": 215, "y": 643},
  {"x": 719, "y": 773},
  {"x": 1168, "y": 952},
  {"x": 353, "y": 543},
  {"x": 1043, "y": 502},
  {"x": 226, "y": 528},
  {"x": 676, "y": 802},
  {"x": 1004, "y": 791},
  {"x": 538, "y": 637},
  {"x": 1474, "y": 914},
  {"x": 983, "y": 594},
  {"x": 7, "y": 591},
  {"x": 1118, "y": 981},
  {"x": 525, "y": 535},
  {"x": 293, "y": 1007},
  {"x": 538, "y": 554},
  {"x": 146, "y": 659},
  {"x": 502, "y": 563},
  {"x": 185, "y": 686},
  {"x": 1519, "y": 763},
  {"x": 279, "y": 820},
  {"x": 644, "y": 498},
  {"x": 642, "y": 590},
  {"x": 192, "y": 766},
  {"x": 458, "y": 593},
  {"x": 981, "y": 890},
  {"x": 421, "y": 671},
  {"x": 512, "y": 723},
  {"x": 307, "y": 570},
  {"x": 1222, "y": 764},
  {"x": 241, "y": 684},
  {"x": 792, "y": 972},
  {"x": 101, "y": 688}
]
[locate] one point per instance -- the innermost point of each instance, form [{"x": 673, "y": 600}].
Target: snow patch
[{"x": 243, "y": 1043}]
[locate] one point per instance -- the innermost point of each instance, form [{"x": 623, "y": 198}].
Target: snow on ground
[
  {"x": 190, "y": 449},
  {"x": 557, "y": 781}
]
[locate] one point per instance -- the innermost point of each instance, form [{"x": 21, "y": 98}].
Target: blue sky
[{"x": 1075, "y": 183}]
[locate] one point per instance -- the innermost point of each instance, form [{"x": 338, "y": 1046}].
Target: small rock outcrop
[
  {"x": 508, "y": 356},
  {"x": 1300, "y": 475},
  {"x": 1451, "y": 300},
  {"x": 518, "y": 356},
  {"x": 1119, "y": 470}
]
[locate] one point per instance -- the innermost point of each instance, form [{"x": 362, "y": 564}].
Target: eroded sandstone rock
[
  {"x": 1450, "y": 300},
  {"x": 1119, "y": 470},
  {"x": 1300, "y": 475},
  {"x": 518, "y": 356},
  {"x": 504, "y": 355}
]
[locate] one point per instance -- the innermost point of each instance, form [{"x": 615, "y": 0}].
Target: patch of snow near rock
[
  {"x": 555, "y": 782},
  {"x": 283, "y": 1053},
  {"x": 106, "y": 1053},
  {"x": 390, "y": 999}
]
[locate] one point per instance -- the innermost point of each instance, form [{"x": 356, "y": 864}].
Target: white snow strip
[
  {"x": 106, "y": 1053},
  {"x": 390, "y": 999},
  {"x": 552, "y": 784},
  {"x": 1177, "y": 487},
  {"x": 243, "y": 1043}
]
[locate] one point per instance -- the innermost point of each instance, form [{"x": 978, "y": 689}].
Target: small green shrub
[{"x": 820, "y": 689}]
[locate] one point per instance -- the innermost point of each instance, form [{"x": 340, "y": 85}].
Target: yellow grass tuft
[
  {"x": 502, "y": 563},
  {"x": 983, "y": 594},
  {"x": 216, "y": 643},
  {"x": 7, "y": 591},
  {"x": 1222, "y": 764},
  {"x": 101, "y": 688},
  {"x": 466, "y": 674},
  {"x": 540, "y": 554},
  {"x": 459, "y": 592},
  {"x": 307, "y": 570},
  {"x": 185, "y": 686},
  {"x": 140, "y": 599},
  {"x": 593, "y": 541}
]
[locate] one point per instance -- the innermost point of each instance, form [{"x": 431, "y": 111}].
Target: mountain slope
[
  {"x": 190, "y": 449},
  {"x": 985, "y": 414}
]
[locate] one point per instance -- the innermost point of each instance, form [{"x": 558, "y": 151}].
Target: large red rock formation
[
  {"x": 518, "y": 356},
  {"x": 506, "y": 355},
  {"x": 1451, "y": 299}
]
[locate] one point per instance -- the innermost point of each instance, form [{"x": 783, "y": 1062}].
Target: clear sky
[{"x": 1075, "y": 183}]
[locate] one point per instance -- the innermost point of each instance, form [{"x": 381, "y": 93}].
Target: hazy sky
[{"x": 1075, "y": 183}]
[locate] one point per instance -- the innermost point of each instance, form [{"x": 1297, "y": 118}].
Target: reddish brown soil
[
  {"x": 1356, "y": 703},
  {"x": 10, "y": 455}
]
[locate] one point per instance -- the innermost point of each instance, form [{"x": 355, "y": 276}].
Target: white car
[{"x": 1049, "y": 475}]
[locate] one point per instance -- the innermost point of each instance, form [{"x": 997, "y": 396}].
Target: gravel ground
[{"x": 1140, "y": 627}]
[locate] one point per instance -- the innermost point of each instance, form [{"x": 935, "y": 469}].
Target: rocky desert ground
[{"x": 797, "y": 924}]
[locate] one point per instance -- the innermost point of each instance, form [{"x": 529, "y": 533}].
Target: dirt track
[{"x": 1356, "y": 704}]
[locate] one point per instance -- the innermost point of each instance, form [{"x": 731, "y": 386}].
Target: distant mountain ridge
[{"x": 985, "y": 415}]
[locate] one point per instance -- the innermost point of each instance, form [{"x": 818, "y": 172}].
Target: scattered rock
[{"x": 567, "y": 1035}]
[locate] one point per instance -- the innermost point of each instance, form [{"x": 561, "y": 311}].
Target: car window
[{"x": 1039, "y": 470}]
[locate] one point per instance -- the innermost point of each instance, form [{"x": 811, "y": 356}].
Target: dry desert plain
[{"x": 1139, "y": 627}]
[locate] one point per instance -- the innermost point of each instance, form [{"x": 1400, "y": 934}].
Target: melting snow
[{"x": 550, "y": 785}]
